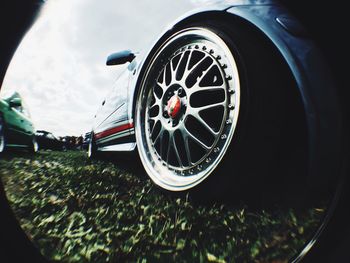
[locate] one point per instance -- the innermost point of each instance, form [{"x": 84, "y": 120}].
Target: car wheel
[
  {"x": 2, "y": 135},
  {"x": 211, "y": 101},
  {"x": 34, "y": 147},
  {"x": 92, "y": 151}
]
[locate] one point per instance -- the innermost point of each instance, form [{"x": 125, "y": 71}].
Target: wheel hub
[{"x": 174, "y": 106}]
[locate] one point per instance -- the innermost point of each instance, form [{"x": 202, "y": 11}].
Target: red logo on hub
[{"x": 174, "y": 106}]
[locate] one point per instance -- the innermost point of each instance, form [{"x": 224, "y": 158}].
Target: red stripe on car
[{"x": 114, "y": 130}]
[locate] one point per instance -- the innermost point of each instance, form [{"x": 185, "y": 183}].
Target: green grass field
[{"x": 77, "y": 210}]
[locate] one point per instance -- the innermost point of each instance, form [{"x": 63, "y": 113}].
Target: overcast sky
[{"x": 59, "y": 67}]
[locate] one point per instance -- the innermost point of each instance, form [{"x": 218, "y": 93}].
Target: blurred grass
[{"x": 77, "y": 210}]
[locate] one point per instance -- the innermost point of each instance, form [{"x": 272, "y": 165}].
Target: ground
[{"x": 80, "y": 210}]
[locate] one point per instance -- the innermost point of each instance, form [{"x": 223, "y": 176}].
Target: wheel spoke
[
  {"x": 204, "y": 73},
  {"x": 159, "y": 136},
  {"x": 176, "y": 151},
  {"x": 189, "y": 70},
  {"x": 174, "y": 70},
  {"x": 162, "y": 84},
  {"x": 186, "y": 72},
  {"x": 151, "y": 107},
  {"x": 204, "y": 123},
  {"x": 187, "y": 148},
  {"x": 170, "y": 142},
  {"x": 197, "y": 88},
  {"x": 199, "y": 142},
  {"x": 206, "y": 107},
  {"x": 155, "y": 119},
  {"x": 157, "y": 101}
]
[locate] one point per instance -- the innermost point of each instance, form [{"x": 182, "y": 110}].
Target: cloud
[{"x": 59, "y": 68}]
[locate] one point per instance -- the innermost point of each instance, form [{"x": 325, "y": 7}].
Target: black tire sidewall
[{"x": 249, "y": 164}]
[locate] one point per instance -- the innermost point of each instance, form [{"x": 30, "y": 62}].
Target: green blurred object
[{"x": 16, "y": 127}]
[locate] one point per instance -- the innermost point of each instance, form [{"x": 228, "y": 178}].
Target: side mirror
[
  {"x": 120, "y": 58},
  {"x": 15, "y": 102}
]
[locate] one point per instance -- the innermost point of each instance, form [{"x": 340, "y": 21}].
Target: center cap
[{"x": 174, "y": 106}]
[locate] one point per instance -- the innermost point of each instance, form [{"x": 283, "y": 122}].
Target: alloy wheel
[{"x": 188, "y": 108}]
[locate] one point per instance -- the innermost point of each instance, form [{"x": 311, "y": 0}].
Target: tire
[
  {"x": 255, "y": 91},
  {"x": 2, "y": 135}
]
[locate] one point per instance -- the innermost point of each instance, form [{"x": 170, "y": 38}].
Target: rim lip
[{"x": 160, "y": 175}]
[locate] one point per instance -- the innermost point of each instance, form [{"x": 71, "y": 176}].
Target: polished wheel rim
[
  {"x": 89, "y": 153},
  {"x": 188, "y": 111},
  {"x": 35, "y": 145},
  {"x": 2, "y": 137}
]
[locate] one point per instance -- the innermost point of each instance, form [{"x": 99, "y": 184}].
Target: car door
[
  {"x": 15, "y": 126},
  {"x": 113, "y": 112}
]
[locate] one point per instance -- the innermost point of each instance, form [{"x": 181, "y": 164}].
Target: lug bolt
[
  {"x": 228, "y": 77},
  {"x": 208, "y": 160},
  {"x": 228, "y": 121},
  {"x": 218, "y": 57},
  {"x": 211, "y": 51},
  {"x": 204, "y": 48},
  {"x": 216, "y": 149},
  {"x": 224, "y": 66},
  {"x": 223, "y": 137},
  {"x": 231, "y": 91},
  {"x": 231, "y": 107},
  {"x": 196, "y": 46}
]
